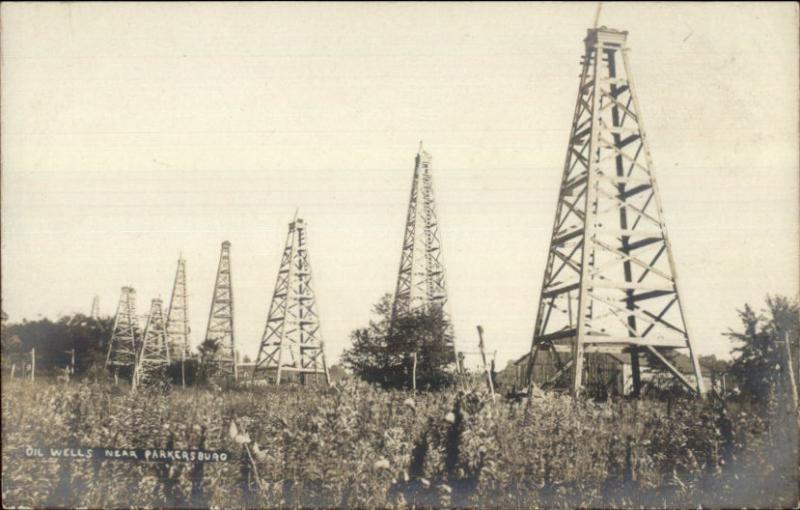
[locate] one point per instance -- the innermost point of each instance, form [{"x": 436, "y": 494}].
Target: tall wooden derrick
[
  {"x": 95, "y": 312},
  {"x": 123, "y": 345},
  {"x": 292, "y": 340},
  {"x": 222, "y": 361},
  {"x": 153, "y": 359},
  {"x": 610, "y": 284},
  {"x": 177, "y": 327},
  {"x": 421, "y": 283}
]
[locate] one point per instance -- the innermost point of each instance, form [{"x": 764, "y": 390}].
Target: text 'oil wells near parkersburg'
[{"x": 141, "y": 454}]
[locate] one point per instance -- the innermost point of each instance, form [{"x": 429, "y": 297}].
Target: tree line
[{"x": 386, "y": 351}]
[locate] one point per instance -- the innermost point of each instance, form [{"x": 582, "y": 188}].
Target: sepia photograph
[{"x": 400, "y": 255}]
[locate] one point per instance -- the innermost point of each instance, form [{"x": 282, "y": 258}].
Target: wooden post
[
  {"x": 33, "y": 363},
  {"x": 597, "y": 14},
  {"x": 72, "y": 361},
  {"x": 414, "y": 373},
  {"x": 790, "y": 366},
  {"x": 236, "y": 368},
  {"x": 136, "y": 378},
  {"x": 183, "y": 369},
  {"x": 483, "y": 360},
  {"x": 13, "y": 367}
]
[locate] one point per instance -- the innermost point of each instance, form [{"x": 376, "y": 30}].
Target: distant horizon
[{"x": 126, "y": 144}]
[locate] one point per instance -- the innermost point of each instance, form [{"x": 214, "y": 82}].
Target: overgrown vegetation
[{"x": 358, "y": 446}]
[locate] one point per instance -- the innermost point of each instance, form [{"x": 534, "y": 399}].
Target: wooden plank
[
  {"x": 628, "y": 140},
  {"x": 614, "y": 284},
  {"x": 647, "y": 241},
  {"x": 634, "y": 191},
  {"x": 628, "y": 232},
  {"x": 618, "y": 130},
  {"x": 619, "y": 105},
  {"x": 650, "y": 295},
  {"x": 630, "y": 207},
  {"x": 562, "y": 238},
  {"x": 638, "y": 262},
  {"x": 672, "y": 369},
  {"x": 561, "y": 290},
  {"x": 595, "y": 349},
  {"x": 567, "y": 187},
  {"x": 558, "y": 335},
  {"x": 624, "y": 180},
  {"x": 300, "y": 370},
  {"x": 560, "y": 371},
  {"x": 605, "y": 349},
  {"x": 635, "y": 340}
]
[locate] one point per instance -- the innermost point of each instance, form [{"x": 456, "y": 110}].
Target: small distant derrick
[
  {"x": 154, "y": 354},
  {"x": 177, "y": 316},
  {"x": 292, "y": 340},
  {"x": 95, "y": 312},
  {"x": 219, "y": 345},
  {"x": 122, "y": 347}
]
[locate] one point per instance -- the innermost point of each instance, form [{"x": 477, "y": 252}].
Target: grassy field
[{"x": 354, "y": 445}]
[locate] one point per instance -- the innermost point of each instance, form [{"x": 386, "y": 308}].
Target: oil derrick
[
  {"x": 123, "y": 346},
  {"x": 153, "y": 357},
  {"x": 292, "y": 340},
  {"x": 610, "y": 285},
  {"x": 421, "y": 281},
  {"x": 220, "y": 360},
  {"x": 95, "y": 312},
  {"x": 177, "y": 327}
]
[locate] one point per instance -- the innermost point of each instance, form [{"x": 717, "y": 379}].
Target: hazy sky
[{"x": 134, "y": 132}]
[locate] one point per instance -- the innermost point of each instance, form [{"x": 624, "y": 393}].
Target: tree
[
  {"x": 208, "y": 353},
  {"x": 89, "y": 338},
  {"x": 55, "y": 341},
  {"x": 384, "y": 352},
  {"x": 337, "y": 373},
  {"x": 715, "y": 368},
  {"x": 9, "y": 341},
  {"x": 760, "y": 361}
]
